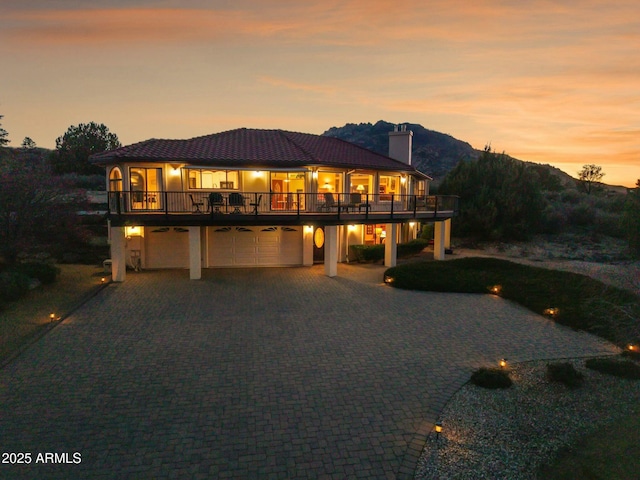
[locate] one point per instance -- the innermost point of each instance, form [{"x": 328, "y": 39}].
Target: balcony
[{"x": 260, "y": 208}]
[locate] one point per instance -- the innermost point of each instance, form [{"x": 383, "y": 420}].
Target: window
[
  {"x": 145, "y": 187},
  {"x": 115, "y": 180},
  {"x": 285, "y": 187},
  {"x": 207, "y": 179},
  {"x": 389, "y": 185},
  {"x": 361, "y": 182}
]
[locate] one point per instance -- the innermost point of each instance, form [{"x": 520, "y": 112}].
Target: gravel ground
[{"x": 507, "y": 434}]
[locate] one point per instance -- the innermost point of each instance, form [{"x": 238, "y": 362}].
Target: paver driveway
[{"x": 270, "y": 373}]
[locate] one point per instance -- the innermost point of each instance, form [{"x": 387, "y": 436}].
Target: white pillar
[
  {"x": 118, "y": 254},
  {"x": 447, "y": 233},
  {"x": 438, "y": 240},
  {"x": 307, "y": 245},
  {"x": 331, "y": 250},
  {"x": 195, "y": 255},
  {"x": 391, "y": 245}
]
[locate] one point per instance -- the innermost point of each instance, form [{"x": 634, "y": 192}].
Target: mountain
[{"x": 434, "y": 153}]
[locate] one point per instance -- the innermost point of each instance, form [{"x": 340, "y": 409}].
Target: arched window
[{"x": 115, "y": 180}]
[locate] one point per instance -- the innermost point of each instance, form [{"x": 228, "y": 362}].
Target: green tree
[
  {"x": 28, "y": 144},
  {"x": 4, "y": 135},
  {"x": 77, "y": 144},
  {"x": 37, "y": 209},
  {"x": 500, "y": 197},
  {"x": 590, "y": 177},
  {"x": 631, "y": 218}
]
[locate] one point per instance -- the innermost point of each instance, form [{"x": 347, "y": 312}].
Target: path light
[
  {"x": 52, "y": 317},
  {"x": 102, "y": 280},
  {"x": 551, "y": 312},
  {"x": 388, "y": 279},
  {"x": 496, "y": 289},
  {"x": 438, "y": 428},
  {"x": 632, "y": 348},
  {"x": 503, "y": 363}
]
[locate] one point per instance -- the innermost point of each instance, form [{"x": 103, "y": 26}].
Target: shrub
[
  {"x": 582, "y": 215},
  {"x": 45, "y": 272},
  {"x": 564, "y": 373},
  {"x": 618, "y": 368},
  {"x": 491, "y": 378},
  {"x": 632, "y": 354},
  {"x": 412, "y": 247},
  {"x": 13, "y": 285},
  {"x": 366, "y": 253}
]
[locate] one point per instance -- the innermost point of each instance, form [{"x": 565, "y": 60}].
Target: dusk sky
[{"x": 553, "y": 82}]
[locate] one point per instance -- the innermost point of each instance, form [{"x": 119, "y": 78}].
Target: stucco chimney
[{"x": 400, "y": 142}]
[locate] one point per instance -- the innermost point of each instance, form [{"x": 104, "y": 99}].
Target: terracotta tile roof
[{"x": 254, "y": 148}]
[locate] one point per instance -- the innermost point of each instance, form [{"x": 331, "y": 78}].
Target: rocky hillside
[{"x": 434, "y": 153}]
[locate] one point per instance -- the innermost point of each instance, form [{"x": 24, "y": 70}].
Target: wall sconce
[
  {"x": 496, "y": 289},
  {"x": 412, "y": 224},
  {"x": 257, "y": 174},
  {"x": 403, "y": 179},
  {"x": 175, "y": 170},
  {"x": 503, "y": 363},
  {"x": 308, "y": 228},
  {"x": 314, "y": 175},
  {"x": 351, "y": 228}
]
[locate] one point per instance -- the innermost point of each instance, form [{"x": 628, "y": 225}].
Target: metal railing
[{"x": 270, "y": 203}]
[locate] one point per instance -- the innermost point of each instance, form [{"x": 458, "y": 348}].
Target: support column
[
  {"x": 118, "y": 254},
  {"x": 391, "y": 245},
  {"x": 438, "y": 240},
  {"x": 331, "y": 250},
  {"x": 195, "y": 254},
  {"x": 447, "y": 233},
  {"x": 307, "y": 245}
]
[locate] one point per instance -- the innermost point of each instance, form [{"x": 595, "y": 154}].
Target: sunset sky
[{"x": 553, "y": 82}]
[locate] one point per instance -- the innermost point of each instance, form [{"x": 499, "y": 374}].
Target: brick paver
[{"x": 251, "y": 374}]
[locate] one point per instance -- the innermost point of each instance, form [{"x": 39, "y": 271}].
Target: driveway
[{"x": 256, "y": 373}]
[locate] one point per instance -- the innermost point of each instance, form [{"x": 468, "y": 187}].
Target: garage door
[
  {"x": 254, "y": 246},
  {"x": 166, "y": 247}
]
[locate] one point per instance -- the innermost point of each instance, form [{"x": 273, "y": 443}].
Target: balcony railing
[{"x": 261, "y": 203}]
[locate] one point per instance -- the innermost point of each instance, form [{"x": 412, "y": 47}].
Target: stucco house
[{"x": 257, "y": 198}]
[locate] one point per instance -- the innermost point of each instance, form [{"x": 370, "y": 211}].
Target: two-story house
[{"x": 257, "y": 198}]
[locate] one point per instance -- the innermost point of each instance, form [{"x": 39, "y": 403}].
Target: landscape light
[
  {"x": 388, "y": 279},
  {"x": 503, "y": 363},
  {"x": 52, "y": 317},
  {"x": 102, "y": 280},
  {"x": 632, "y": 348},
  {"x": 496, "y": 289},
  {"x": 552, "y": 312},
  {"x": 438, "y": 428}
]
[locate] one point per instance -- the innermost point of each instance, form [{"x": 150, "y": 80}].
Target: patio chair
[
  {"x": 236, "y": 200},
  {"x": 195, "y": 204},
  {"x": 256, "y": 204},
  {"x": 216, "y": 201},
  {"x": 355, "y": 200},
  {"x": 329, "y": 203}
]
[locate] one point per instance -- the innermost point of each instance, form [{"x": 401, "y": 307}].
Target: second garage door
[{"x": 254, "y": 246}]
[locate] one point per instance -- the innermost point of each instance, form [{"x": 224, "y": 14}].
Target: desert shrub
[
  {"x": 571, "y": 196},
  {"x": 412, "y": 247},
  {"x": 491, "y": 378},
  {"x": 582, "y": 214},
  {"x": 618, "y": 368},
  {"x": 13, "y": 285},
  {"x": 607, "y": 223},
  {"x": 564, "y": 373},
  {"x": 553, "y": 220},
  {"x": 45, "y": 272}
]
